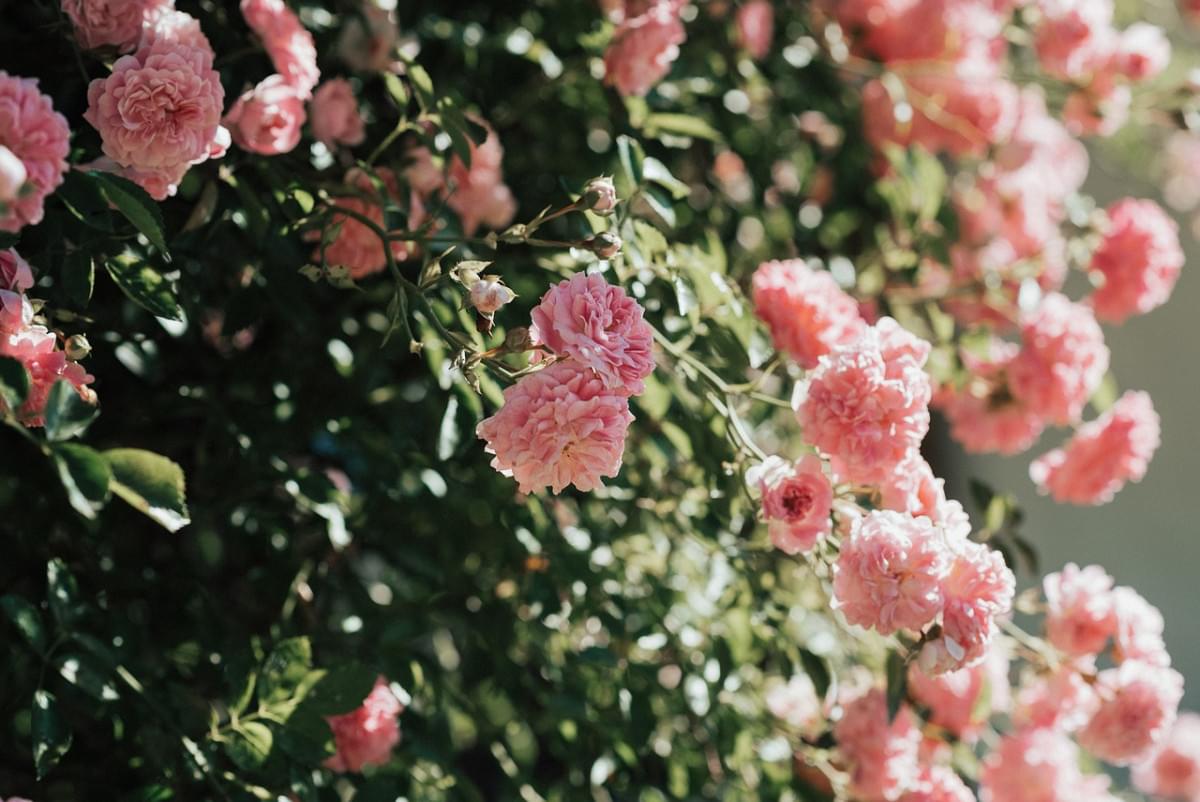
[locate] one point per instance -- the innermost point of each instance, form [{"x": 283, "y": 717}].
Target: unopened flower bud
[
  {"x": 12, "y": 175},
  {"x": 488, "y": 294},
  {"x": 77, "y": 347},
  {"x": 606, "y": 245},
  {"x": 602, "y": 193},
  {"x": 518, "y": 339}
]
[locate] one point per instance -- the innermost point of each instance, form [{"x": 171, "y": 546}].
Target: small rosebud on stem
[
  {"x": 606, "y": 245},
  {"x": 77, "y": 347},
  {"x": 599, "y": 196}
]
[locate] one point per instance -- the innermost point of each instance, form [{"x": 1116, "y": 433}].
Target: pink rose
[
  {"x": 983, "y": 415},
  {"x": 1035, "y": 765},
  {"x": 644, "y": 47},
  {"x": 489, "y": 294},
  {"x": 912, "y": 488},
  {"x": 12, "y": 176},
  {"x": 805, "y": 309},
  {"x": 924, "y": 30},
  {"x": 1103, "y": 455},
  {"x": 35, "y": 133},
  {"x": 267, "y": 119},
  {"x": 1060, "y": 700},
  {"x": 976, "y": 590},
  {"x": 796, "y": 703},
  {"x": 1138, "y": 704},
  {"x": 365, "y": 736},
  {"x": 559, "y": 426},
  {"x": 1101, "y": 110},
  {"x": 1173, "y": 771},
  {"x": 1143, "y": 51},
  {"x": 159, "y": 114},
  {"x": 115, "y": 23},
  {"x": 1139, "y": 258},
  {"x": 356, "y": 246},
  {"x": 15, "y": 273},
  {"x": 796, "y": 501},
  {"x": 882, "y": 755},
  {"x": 37, "y": 349},
  {"x": 939, "y": 784},
  {"x": 289, "y": 45},
  {"x": 962, "y": 701},
  {"x": 756, "y": 27},
  {"x": 1075, "y": 38},
  {"x": 334, "y": 114},
  {"x": 1080, "y": 611},
  {"x": 596, "y": 323},
  {"x": 478, "y": 194},
  {"x": 166, "y": 28},
  {"x": 1139, "y": 629},
  {"x": 368, "y": 39}
]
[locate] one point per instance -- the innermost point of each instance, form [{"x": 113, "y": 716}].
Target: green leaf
[
  {"x": 897, "y": 683},
  {"x": 62, "y": 593},
  {"x": 423, "y": 85},
  {"x": 150, "y": 483},
  {"x": 135, "y": 204},
  {"x": 79, "y": 277},
  {"x": 682, "y": 125},
  {"x": 250, "y": 744},
  {"x": 51, "y": 736},
  {"x": 85, "y": 476},
  {"x": 26, "y": 618},
  {"x": 14, "y": 382},
  {"x": 87, "y": 673},
  {"x": 631, "y": 155},
  {"x": 67, "y": 415},
  {"x": 657, "y": 172},
  {"x": 448, "y": 435},
  {"x": 144, "y": 285},
  {"x": 395, "y": 88},
  {"x": 817, "y": 670},
  {"x": 341, "y": 689},
  {"x": 285, "y": 670}
]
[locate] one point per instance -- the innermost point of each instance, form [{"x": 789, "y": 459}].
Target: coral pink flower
[
  {"x": 115, "y": 23},
  {"x": 924, "y": 30},
  {"x": 796, "y": 703},
  {"x": 35, "y": 133},
  {"x": 1139, "y": 259},
  {"x": 1075, "y": 38},
  {"x": 1081, "y": 613},
  {"x": 37, "y": 349},
  {"x": 1139, "y": 629},
  {"x": 368, "y": 39},
  {"x": 796, "y": 499},
  {"x": 939, "y": 784},
  {"x": 805, "y": 309},
  {"x": 983, "y": 415},
  {"x": 1138, "y": 704},
  {"x": 756, "y": 27},
  {"x": 1143, "y": 52},
  {"x": 1032, "y": 765},
  {"x": 644, "y": 47},
  {"x": 1173, "y": 771},
  {"x": 288, "y": 44},
  {"x": 1103, "y": 455},
  {"x": 355, "y": 246},
  {"x": 1101, "y": 110},
  {"x": 595, "y": 322},
  {"x": 159, "y": 114},
  {"x": 1062, "y": 359},
  {"x": 365, "y": 736},
  {"x": 978, "y": 588},
  {"x": 1062, "y": 700},
  {"x": 560, "y": 426},
  {"x": 165, "y": 27},
  {"x": 962, "y": 701},
  {"x": 889, "y": 573},
  {"x": 478, "y": 194},
  {"x": 867, "y": 402},
  {"x": 334, "y": 114},
  {"x": 15, "y": 273},
  {"x": 882, "y": 756},
  {"x": 267, "y": 119},
  {"x": 912, "y": 488}
]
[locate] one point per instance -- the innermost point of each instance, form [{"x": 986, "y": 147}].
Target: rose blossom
[
  {"x": 990, "y": 421},
  {"x": 1173, "y": 771},
  {"x": 15, "y": 273},
  {"x": 756, "y": 27},
  {"x": 356, "y": 246},
  {"x": 37, "y": 349},
  {"x": 889, "y": 573},
  {"x": 32, "y": 131},
  {"x": 939, "y": 784},
  {"x": 1062, "y": 359},
  {"x": 882, "y": 755},
  {"x": 478, "y": 194},
  {"x": 1139, "y": 629},
  {"x": 977, "y": 589},
  {"x": 1143, "y": 52},
  {"x": 962, "y": 701},
  {"x": 267, "y": 119},
  {"x": 334, "y": 114},
  {"x": 1139, "y": 260},
  {"x": 1062, "y": 700},
  {"x": 164, "y": 27},
  {"x": 1075, "y": 37},
  {"x": 160, "y": 114},
  {"x": 1080, "y": 614},
  {"x": 796, "y": 501},
  {"x": 866, "y": 403},
  {"x": 912, "y": 488},
  {"x": 488, "y": 294},
  {"x": 368, "y": 39},
  {"x": 1138, "y": 704},
  {"x": 1101, "y": 110},
  {"x": 1032, "y": 765},
  {"x": 12, "y": 176},
  {"x": 366, "y": 735},
  {"x": 288, "y": 44},
  {"x": 560, "y": 426},
  {"x": 1103, "y": 454},
  {"x": 595, "y": 322},
  {"x": 643, "y": 47},
  {"x": 796, "y": 703},
  {"x": 805, "y": 309},
  {"x": 116, "y": 23},
  {"x": 924, "y": 30}
]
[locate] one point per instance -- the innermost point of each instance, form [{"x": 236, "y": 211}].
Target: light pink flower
[
  {"x": 15, "y": 273},
  {"x": 368, "y": 39},
  {"x": 924, "y": 30},
  {"x": 37, "y": 349},
  {"x": 1103, "y": 455},
  {"x": 644, "y": 47},
  {"x": 1139, "y": 259},
  {"x": 560, "y": 426},
  {"x": 334, "y": 114},
  {"x": 889, "y": 573},
  {"x": 1075, "y": 38},
  {"x": 1173, "y": 771},
  {"x": 1062, "y": 359},
  {"x": 1032, "y": 765},
  {"x": 756, "y": 27},
  {"x": 1101, "y": 110},
  {"x": 115, "y": 23},
  {"x": 366, "y": 736},
  {"x": 805, "y": 309},
  {"x": 488, "y": 294},
  {"x": 1062, "y": 700},
  {"x": 16, "y": 312},
  {"x": 356, "y": 246},
  {"x": 912, "y": 488},
  {"x": 882, "y": 756},
  {"x": 267, "y": 119},
  {"x": 595, "y": 322},
  {"x": 478, "y": 194},
  {"x": 977, "y": 589},
  {"x": 796, "y": 703},
  {"x": 36, "y": 134},
  {"x": 962, "y": 701},
  {"x": 166, "y": 28},
  {"x": 1138, "y": 704},
  {"x": 1139, "y": 629},
  {"x": 1181, "y": 171},
  {"x": 1081, "y": 613},
  {"x": 289, "y": 45},
  {"x": 159, "y": 114},
  {"x": 939, "y": 784},
  {"x": 12, "y": 176},
  {"x": 866, "y": 403},
  {"x": 1143, "y": 51},
  {"x": 796, "y": 501}
]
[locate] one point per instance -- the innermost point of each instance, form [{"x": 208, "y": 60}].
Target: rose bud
[{"x": 602, "y": 193}]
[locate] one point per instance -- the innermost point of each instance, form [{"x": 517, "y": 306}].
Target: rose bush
[{"x": 498, "y": 400}]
